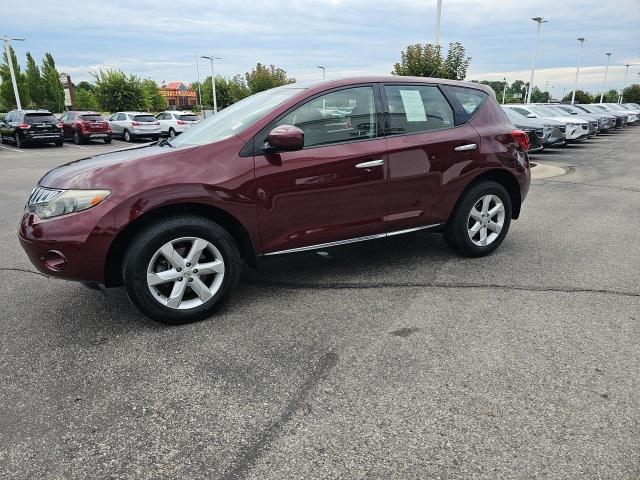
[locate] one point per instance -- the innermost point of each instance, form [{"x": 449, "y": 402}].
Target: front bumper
[{"x": 72, "y": 247}]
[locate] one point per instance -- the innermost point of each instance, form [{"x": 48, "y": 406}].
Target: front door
[{"x": 335, "y": 188}]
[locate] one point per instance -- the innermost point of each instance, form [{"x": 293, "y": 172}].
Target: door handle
[
  {"x": 369, "y": 164},
  {"x": 466, "y": 148}
]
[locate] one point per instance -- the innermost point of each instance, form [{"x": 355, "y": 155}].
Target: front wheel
[
  {"x": 480, "y": 221},
  {"x": 181, "y": 269}
]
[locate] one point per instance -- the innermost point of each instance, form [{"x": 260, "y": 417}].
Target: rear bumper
[
  {"x": 42, "y": 137},
  {"x": 95, "y": 135}
]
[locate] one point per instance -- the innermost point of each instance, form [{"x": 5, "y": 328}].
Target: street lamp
[
  {"x": 575, "y": 83},
  {"x": 438, "y": 15},
  {"x": 539, "y": 21},
  {"x": 606, "y": 70},
  {"x": 624, "y": 84},
  {"x": 213, "y": 80},
  {"x": 7, "y": 39},
  {"x": 504, "y": 89},
  {"x": 323, "y": 70}
]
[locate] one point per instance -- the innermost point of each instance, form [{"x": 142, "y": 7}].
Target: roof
[{"x": 176, "y": 86}]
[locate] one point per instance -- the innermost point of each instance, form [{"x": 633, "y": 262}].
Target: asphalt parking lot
[{"x": 386, "y": 359}]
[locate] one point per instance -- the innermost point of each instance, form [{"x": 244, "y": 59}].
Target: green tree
[
  {"x": 7, "y": 96},
  {"x": 538, "y": 96},
  {"x": 426, "y": 60},
  {"x": 153, "y": 99},
  {"x": 581, "y": 97},
  {"x": 238, "y": 88},
  {"x": 34, "y": 83},
  {"x": 608, "y": 97},
  {"x": 84, "y": 98},
  {"x": 631, "y": 94},
  {"x": 263, "y": 78},
  {"x": 115, "y": 90},
  {"x": 53, "y": 90}
]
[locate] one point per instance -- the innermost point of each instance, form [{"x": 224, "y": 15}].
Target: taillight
[
  {"x": 24, "y": 126},
  {"x": 59, "y": 125},
  {"x": 135, "y": 124},
  {"x": 181, "y": 122},
  {"x": 156, "y": 123},
  {"x": 522, "y": 138}
]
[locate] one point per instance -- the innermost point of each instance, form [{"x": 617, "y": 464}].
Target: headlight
[{"x": 48, "y": 203}]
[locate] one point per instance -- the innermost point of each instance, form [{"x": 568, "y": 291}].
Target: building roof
[{"x": 176, "y": 86}]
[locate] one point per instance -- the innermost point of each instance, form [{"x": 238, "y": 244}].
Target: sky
[{"x": 159, "y": 39}]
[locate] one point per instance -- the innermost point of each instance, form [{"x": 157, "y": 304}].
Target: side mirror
[
  {"x": 531, "y": 115},
  {"x": 285, "y": 137}
]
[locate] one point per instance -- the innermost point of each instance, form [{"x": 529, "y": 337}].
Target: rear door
[
  {"x": 335, "y": 188},
  {"x": 41, "y": 123},
  {"x": 427, "y": 150}
]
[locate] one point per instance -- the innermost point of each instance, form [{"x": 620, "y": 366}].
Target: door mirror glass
[{"x": 286, "y": 137}]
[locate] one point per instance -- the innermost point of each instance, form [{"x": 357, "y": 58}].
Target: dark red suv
[
  {"x": 84, "y": 126},
  {"x": 295, "y": 168}
]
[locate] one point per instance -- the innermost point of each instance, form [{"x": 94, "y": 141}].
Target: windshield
[
  {"x": 544, "y": 111},
  {"x": 92, "y": 118},
  {"x": 234, "y": 118},
  {"x": 567, "y": 110}
]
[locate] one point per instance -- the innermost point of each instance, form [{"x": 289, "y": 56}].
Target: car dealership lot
[{"x": 382, "y": 359}]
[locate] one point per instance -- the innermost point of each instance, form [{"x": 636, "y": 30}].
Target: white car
[
  {"x": 577, "y": 128},
  {"x": 174, "y": 122},
  {"x": 133, "y": 125},
  {"x": 632, "y": 116}
]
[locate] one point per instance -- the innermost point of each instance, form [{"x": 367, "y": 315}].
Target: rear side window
[
  {"x": 337, "y": 117},
  {"x": 92, "y": 118},
  {"x": 145, "y": 118},
  {"x": 189, "y": 118},
  {"x": 32, "y": 118},
  {"x": 469, "y": 98},
  {"x": 416, "y": 109}
]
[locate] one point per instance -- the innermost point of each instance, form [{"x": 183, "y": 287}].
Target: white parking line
[
  {"x": 12, "y": 149},
  {"x": 76, "y": 146}
]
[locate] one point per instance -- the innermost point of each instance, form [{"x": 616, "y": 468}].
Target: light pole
[
  {"x": 438, "y": 16},
  {"x": 211, "y": 58},
  {"x": 606, "y": 70},
  {"x": 504, "y": 89},
  {"x": 7, "y": 50},
  {"x": 624, "y": 84},
  {"x": 198, "y": 75},
  {"x": 575, "y": 83},
  {"x": 539, "y": 21},
  {"x": 323, "y": 70}
]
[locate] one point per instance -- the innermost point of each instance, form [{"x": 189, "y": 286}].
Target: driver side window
[{"x": 336, "y": 117}]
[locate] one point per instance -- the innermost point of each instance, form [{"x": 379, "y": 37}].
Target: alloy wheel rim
[
  {"x": 185, "y": 273},
  {"x": 486, "y": 220}
]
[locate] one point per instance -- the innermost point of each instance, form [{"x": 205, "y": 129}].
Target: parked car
[
  {"x": 621, "y": 120},
  {"x": 27, "y": 127},
  {"x": 271, "y": 175},
  {"x": 173, "y": 123},
  {"x": 134, "y": 125},
  {"x": 632, "y": 106},
  {"x": 632, "y": 116},
  {"x": 576, "y": 130},
  {"x": 84, "y": 126},
  {"x": 598, "y": 122},
  {"x": 551, "y": 133}
]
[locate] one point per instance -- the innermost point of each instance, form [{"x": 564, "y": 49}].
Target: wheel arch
[
  {"x": 115, "y": 255},
  {"x": 504, "y": 178}
]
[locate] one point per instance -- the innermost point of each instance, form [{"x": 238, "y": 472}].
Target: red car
[
  {"x": 295, "y": 168},
  {"x": 83, "y": 126}
]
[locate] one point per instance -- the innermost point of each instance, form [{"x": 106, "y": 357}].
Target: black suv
[{"x": 23, "y": 127}]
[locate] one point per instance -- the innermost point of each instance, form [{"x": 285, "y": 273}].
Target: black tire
[
  {"x": 126, "y": 136},
  {"x": 19, "y": 142},
  {"x": 1, "y": 139},
  {"x": 77, "y": 138},
  {"x": 59, "y": 143},
  {"x": 172, "y": 133},
  {"x": 456, "y": 232},
  {"x": 107, "y": 141},
  {"x": 148, "y": 242}
]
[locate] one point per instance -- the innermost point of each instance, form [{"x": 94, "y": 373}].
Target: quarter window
[
  {"x": 469, "y": 98},
  {"x": 416, "y": 109},
  {"x": 340, "y": 116}
]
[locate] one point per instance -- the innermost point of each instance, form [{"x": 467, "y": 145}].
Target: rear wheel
[
  {"x": 59, "y": 143},
  {"x": 107, "y": 140},
  {"x": 126, "y": 135},
  {"x": 181, "y": 269},
  {"x": 17, "y": 139},
  {"x": 77, "y": 139},
  {"x": 480, "y": 221}
]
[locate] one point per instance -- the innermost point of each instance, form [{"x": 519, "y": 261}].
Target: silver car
[
  {"x": 174, "y": 122},
  {"x": 132, "y": 125}
]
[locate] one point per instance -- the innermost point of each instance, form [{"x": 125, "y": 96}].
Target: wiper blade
[{"x": 163, "y": 142}]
